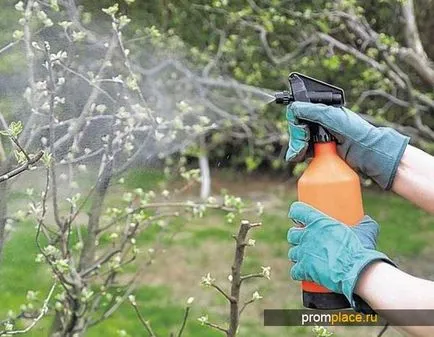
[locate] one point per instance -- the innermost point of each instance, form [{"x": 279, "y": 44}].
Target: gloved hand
[
  {"x": 329, "y": 253},
  {"x": 371, "y": 150}
]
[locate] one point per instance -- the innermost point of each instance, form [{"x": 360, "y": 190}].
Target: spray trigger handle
[{"x": 307, "y": 89}]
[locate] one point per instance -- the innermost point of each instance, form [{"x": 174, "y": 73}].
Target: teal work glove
[
  {"x": 331, "y": 254},
  {"x": 374, "y": 151}
]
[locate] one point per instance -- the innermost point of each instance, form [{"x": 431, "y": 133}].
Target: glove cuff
[
  {"x": 395, "y": 143},
  {"x": 362, "y": 261}
]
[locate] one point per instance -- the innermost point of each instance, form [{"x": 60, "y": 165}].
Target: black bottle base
[{"x": 325, "y": 301}]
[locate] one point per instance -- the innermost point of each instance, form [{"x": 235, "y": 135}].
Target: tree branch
[
  {"x": 240, "y": 240},
  {"x": 145, "y": 323},
  {"x": 42, "y": 313},
  {"x": 27, "y": 165}
]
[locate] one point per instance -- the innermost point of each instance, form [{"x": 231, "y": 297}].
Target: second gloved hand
[
  {"x": 371, "y": 150},
  {"x": 329, "y": 253}
]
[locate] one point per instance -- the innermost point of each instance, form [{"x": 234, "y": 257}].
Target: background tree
[{"x": 102, "y": 87}]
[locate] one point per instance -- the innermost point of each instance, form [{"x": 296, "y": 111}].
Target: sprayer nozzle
[{"x": 283, "y": 97}]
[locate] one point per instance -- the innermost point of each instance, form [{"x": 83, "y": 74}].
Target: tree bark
[
  {"x": 88, "y": 253},
  {"x": 205, "y": 187},
  {"x": 3, "y": 212},
  {"x": 4, "y": 190},
  {"x": 71, "y": 325},
  {"x": 415, "y": 55}
]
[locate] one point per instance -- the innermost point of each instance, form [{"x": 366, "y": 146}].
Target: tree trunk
[
  {"x": 205, "y": 188},
  {"x": 70, "y": 325},
  {"x": 4, "y": 188},
  {"x": 88, "y": 253},
  {"x": 73, "y": 325}
]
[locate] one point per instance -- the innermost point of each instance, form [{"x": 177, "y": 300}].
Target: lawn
[{"x": 205, "y": 245}]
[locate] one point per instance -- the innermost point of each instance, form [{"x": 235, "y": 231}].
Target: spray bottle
[{"x": 328, "y": 183}]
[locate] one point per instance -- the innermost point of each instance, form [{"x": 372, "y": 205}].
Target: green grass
[
  {"x": 18, "y": 270},
  {"x": 144, "y": 179},
  {"x": 404, "y": 229},
  {"x": 156, "y": 306},
  {"x": 212, "y": 234}
]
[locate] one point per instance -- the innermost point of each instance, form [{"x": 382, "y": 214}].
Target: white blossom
[
  {"x": 101, "y": 108},
  {"x": 65, "y": 24},
  {"x": 19, "y": 6},
  {"x": 256, "y": 296},
  {"x": 260, "y": 208},
  {"x": 112, "y": 10},
  {"x": 203, "y": 319},
  {"x": 78, "y": 36},
  {"x": 31, "y": 295},
  {"x": 204, "y": 120},
  {"x": 207, "y": 280},
  {"x": 123, "y": 21},
  {"x": 132, "y": 299},
  {"x": 266, "y": 271},
  {"x": 82, "y": 168}
]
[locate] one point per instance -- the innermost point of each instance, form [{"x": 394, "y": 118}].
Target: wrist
[
  {"x": 398, "y": 143},
  {"x": 366, "y": 278},
  {"x": 362, "y": 273}
]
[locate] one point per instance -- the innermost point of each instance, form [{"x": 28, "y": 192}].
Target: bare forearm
[
  {"x": 386, "y": 287},
  {"x": 415, "y": 178}
]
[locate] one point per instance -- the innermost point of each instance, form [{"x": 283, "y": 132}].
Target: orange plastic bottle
[{"x": 331, "y": 186}]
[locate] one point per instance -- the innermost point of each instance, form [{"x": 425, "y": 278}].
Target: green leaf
[
  {"x": 14, "y": 129},
  {"x": 54, "y": 5},
  {"x": 252, "y": 163}
]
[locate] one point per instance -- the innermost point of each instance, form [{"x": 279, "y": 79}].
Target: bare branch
[
  {"x": 411, "y": 32},
  {"x": 27, "y": 165},
  {"x": 240, "y": 239},
  {"x": 268, "y": 50},
  {"x": 145, "y": 323},
  {"x": 8, "y": 46},
  {"x": 250, "y": 276},
  {"x": 245, "y": 305},
  {"x": 421, "y": 65},
  {"x": 42, "y": 313},
  {"x": 184, "y": 321},
  {"x": 216, "y": 327},
  {"x": 81, "y": 120},
  {"x": 91, "y": 83},
  {"x": 221, "y": 291}
]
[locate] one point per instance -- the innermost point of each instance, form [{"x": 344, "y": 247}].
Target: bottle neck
[{"x": 322, "y": 149}]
